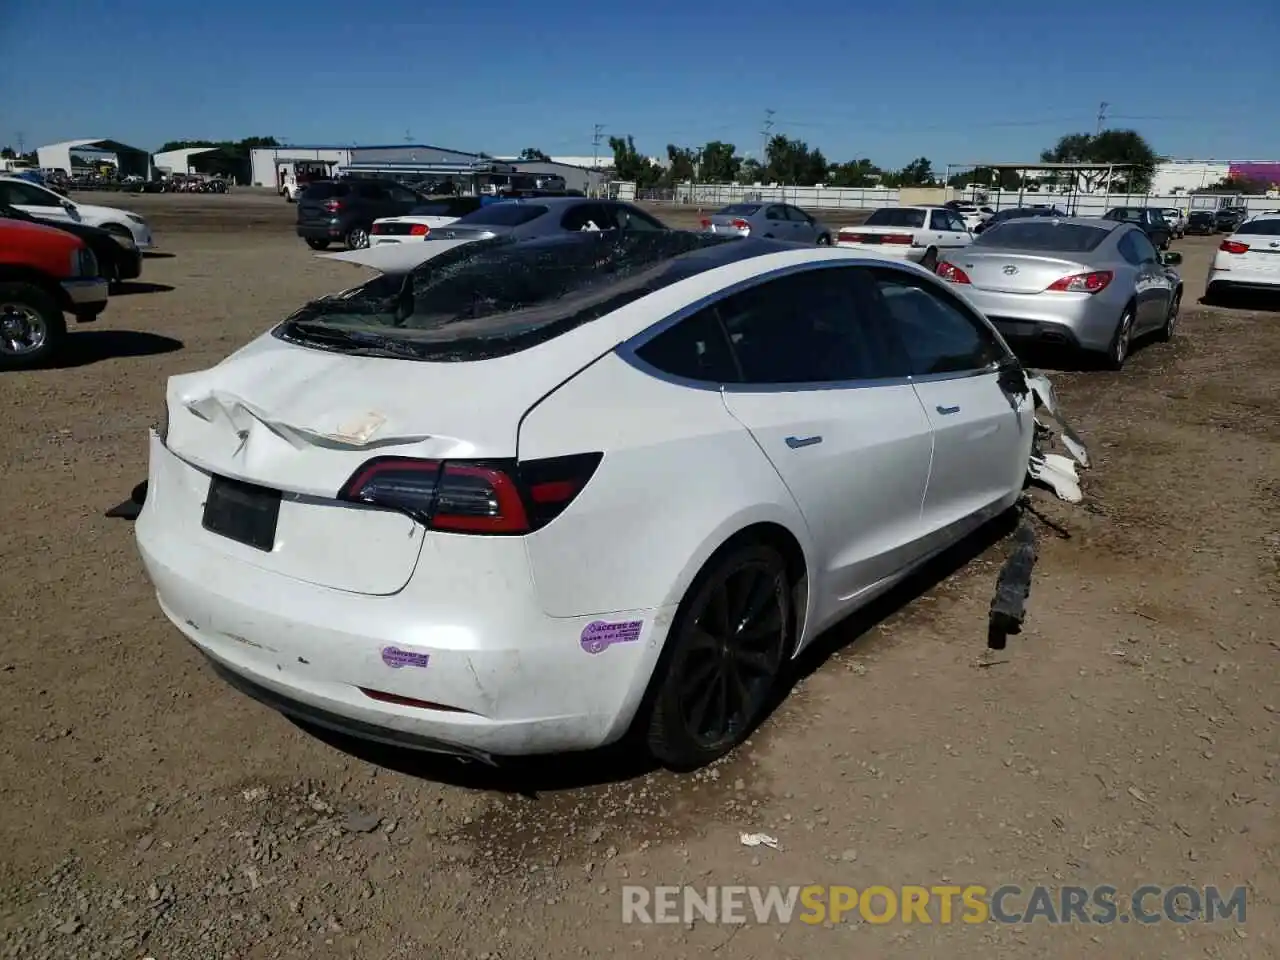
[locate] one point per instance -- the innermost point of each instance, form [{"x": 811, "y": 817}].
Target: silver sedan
[
  {"x": 772, "y": 221},
  {"x": 1082, "y": 283}
]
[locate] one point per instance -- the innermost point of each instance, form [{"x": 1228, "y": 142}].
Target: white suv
[{"x": 44, "y": 203}]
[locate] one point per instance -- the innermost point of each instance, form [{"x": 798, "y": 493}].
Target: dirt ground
[{"x": 1128, "y": 737}]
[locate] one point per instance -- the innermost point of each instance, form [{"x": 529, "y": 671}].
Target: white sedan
[
  {"x": 418, "y": 223},
  {"x": 1249, "y": 259},
  {"x": 557, "y": 490},
  {"x": 923, "y": 235},
  {"x": 43, "y": 203}
]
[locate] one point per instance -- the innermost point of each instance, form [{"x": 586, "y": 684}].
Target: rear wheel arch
[{"x": 119, "y": 229}]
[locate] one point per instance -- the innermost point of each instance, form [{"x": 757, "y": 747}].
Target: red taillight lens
[
  {"x": 473, "y": 496},
  {"x": 898, "y": 238},
  {"x": 951, "y": 273},
  {"x": 378, "y": 228},
  {"x": 848, "y": 238},
  {"x": 741, "y": 225},
  {"x": 419, "y": 230},
  {"x": 705, "y": 224},
  {"x": 1083, "y": 282},
  {"x": 333, "y": 206},
  {"x": 1233, "y": 246}
]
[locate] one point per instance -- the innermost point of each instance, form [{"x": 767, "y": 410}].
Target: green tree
[
  {"x": 1231, "y": 184},
  {"x": 533, "y": 153},
  {"x": 8, "y": 153},
  {"x": 720, "y": 163},
  {"x": 629, "y": 165},
  {"x": 1003, "y": 178},
  {"x": 1121, "y": 147},
  {"x": 791, "y": 162},
  {"x": 856, "y": 173},
  {"x": 917, "y": 173},
  {"x": 682, "y": 164},
  {"x": 750, "y": 171}
]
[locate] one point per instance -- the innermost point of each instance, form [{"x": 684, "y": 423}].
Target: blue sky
[{"x": 886, "y": 81}]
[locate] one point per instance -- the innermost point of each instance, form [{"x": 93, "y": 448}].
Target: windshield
[
  {"x": 1261, "y": 228},
  {"x": 739, "y": 210},
  {"x": 896, "y": 217},
  {"x": 1039, "y": 234},
  {"x": 495, "y": 297},
  {"x": 510, "y": 213}
]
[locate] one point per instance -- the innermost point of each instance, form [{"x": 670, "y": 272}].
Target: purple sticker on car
[
  {"x": 600, "y": 635},
  {"x": 396, "y": 658}
]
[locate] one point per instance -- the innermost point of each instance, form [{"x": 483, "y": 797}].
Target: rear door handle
[
  {"x": 947, "y": 410},
  {"x": 795, "y": 443}
]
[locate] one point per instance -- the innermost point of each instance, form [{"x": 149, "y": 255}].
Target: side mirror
[{"x": 1171, "y": 259}]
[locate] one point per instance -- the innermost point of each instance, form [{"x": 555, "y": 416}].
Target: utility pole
[
  {"x": 596, "y": 133},
  {"x": 408, "y": 137},
  {"x": 1102, "y": 116},
  {"x": 768, "y": 126},
  {"x": 22, "y": 142}
]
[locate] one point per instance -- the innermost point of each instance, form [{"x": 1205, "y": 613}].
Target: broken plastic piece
[
  {"x": 759, "y": 840},
  {"x": 1009, "y": 605},
  {"x": 1057, "y": 472}
]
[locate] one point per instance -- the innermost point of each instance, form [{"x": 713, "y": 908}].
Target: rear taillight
[
  {"x": 1083, "y": 282},
  {"x": 378, "y": 228},
  {"x": 898, "y": 238},
  {"x": 419, "y": 230},
  {"x": 848, "y": 238},
  {"x": 951, "y": 273},
  {"x": 706, "y": 224},
  {"x": 741, "y": 225},
  {"x": 1233, "y": 246},
  {"x": 333, "y": 206},
  {"x": 473, "y": 496}
]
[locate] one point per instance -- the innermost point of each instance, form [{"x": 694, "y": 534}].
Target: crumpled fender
[{"x": 1051, "y": 469}]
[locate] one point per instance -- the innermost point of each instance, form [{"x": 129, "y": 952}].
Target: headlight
[
  {"x": 136, "y": 219},
  {"x": 84, "y": 263}
]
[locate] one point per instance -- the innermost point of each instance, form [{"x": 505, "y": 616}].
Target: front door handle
[
  {"x": 947, "y": 410},
  {"x": 795, "y": 443}
]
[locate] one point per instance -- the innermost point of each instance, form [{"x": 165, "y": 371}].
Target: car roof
[{"x": 1097, "y": 222}]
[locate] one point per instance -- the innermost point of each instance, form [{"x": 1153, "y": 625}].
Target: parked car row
[{"x": 58, "y": 258}]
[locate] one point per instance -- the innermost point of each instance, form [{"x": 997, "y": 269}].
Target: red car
[{"x": 44, "y": 273}]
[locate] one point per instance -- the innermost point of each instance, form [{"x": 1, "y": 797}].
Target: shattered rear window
[{"x": 496, "y": 297}]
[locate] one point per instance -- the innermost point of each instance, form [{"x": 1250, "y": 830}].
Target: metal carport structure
[
  {"x": 1109, "y": 169},
  {"x": 131, "y": 161}
]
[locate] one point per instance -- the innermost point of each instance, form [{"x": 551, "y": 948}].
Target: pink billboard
[{"x": 1266, "y": 173}]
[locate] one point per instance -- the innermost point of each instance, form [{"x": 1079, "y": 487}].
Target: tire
[
  {"x": 1118, "y": 351},
  {"x": 1166, "y": 332},
  {"x": 357, "y": 238},
  {"x": 930, "y": 260},
  {"x": 317, "y": 244},
  {"x": 708, "y": 651},
  {"x": 824, "y": 240},
  {"x": 32, "y": 327}
]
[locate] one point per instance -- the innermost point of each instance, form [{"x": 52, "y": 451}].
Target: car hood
[{"x": 104, "y": 212}]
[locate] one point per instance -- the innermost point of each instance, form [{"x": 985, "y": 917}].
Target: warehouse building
[
  {"x": 178, "y": 161},
  {"x": 582, "y": 179},
  {"x": 266, "y": 162}
]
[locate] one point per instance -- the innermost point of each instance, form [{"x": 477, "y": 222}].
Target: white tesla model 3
[{"x": 529, "y": 496}]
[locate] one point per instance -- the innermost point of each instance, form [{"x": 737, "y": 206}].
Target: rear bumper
[
  {"x": 504, "y": 678},
  {"x": 889, "y": 251},
  {"x": 1071, "y": 320},
  {"x": 320, "y": 231},
  {"x": 1236, "y": 279}
]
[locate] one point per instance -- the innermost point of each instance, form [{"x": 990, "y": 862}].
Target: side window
[
  {"x": 958, "y": 224},
  {"x": 1128, "y": 249},
  {"x": 940, "y": 220},
  {"x": 631, "y": 218},
  {"x": 695, "y": 349},
  {"x": 808, "y": 327},
  {"x": 775, "y": 213},
  {"x": 939, "y": 334},
  {"x": 587, "y": 216},
  {"x": 18, "y": 193},
  {"x": 1143, "y": 247},
  {"x": 403, "y": 195},
  {"x": 371, "y": 191},
  {"x": 795, "y": 213}
]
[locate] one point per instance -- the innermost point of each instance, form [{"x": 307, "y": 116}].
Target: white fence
[{"x": 864, "y": 198}]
